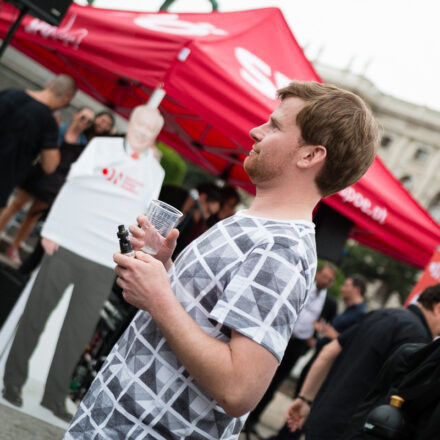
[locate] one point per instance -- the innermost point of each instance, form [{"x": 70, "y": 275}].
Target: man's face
[
  {"x": 140, "y": 133},
  {"x": 209, "y": 208},
  {"x": 276, "y": 143},
  {"x": 84, "y": 118},
  {"x": 63, "y": 102},
  {"x": 348, "y": 290},
  {"x": 435, "y": 327},
  {"x": 324, "y": 278},
  {"x": 103, "y": 124},
  {"x": 228, "y": 208}
]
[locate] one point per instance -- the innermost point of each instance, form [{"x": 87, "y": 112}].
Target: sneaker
[
  {"x": 12, "y": 394},
  {"x": 13, "y": 254},
  {"x": 59, "y": 410}
]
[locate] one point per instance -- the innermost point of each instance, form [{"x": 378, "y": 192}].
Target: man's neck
[
  {"x": 430, "y": 320},
  {"x": 130, "y": 150},
  {"x": 354, "y": 301},
  {"x": 284, "y": 204},
  {"x": 42, "y": 96}
]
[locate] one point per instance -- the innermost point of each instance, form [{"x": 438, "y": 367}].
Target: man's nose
[{"x": 256, "y": 134}]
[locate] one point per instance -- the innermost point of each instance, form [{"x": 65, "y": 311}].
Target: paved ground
[{"x": 14, "y": 425}]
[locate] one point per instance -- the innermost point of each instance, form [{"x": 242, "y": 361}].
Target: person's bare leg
[
  {"x": 14, "y": 206},
  {"x": 29, "y": 222}
]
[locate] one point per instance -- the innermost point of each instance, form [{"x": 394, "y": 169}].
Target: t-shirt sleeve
[
  {"x": 50, "y": 135},
  {"x": 346, "y": 335},
  {"x": 264, "y": 296}
]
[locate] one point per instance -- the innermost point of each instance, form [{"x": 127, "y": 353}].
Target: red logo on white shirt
[{"x": 119, "y": 178}]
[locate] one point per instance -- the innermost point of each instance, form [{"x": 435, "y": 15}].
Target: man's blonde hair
[{"x": 341, "y": 122}]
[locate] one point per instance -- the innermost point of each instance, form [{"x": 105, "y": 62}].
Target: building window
[
  {"x": 406, "y": 182},
  {"x": 386, "y": 141},
  {"x": 434, "y": 207},
  {"x": 421, "y": 155}
]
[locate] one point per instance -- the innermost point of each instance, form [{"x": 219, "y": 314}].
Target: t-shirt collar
[
  {"x": 133, "y": 154},
  {"x": 416, "y": 310}
]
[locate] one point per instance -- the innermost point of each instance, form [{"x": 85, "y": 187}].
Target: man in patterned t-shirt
[{"x": 213, "y": 326}]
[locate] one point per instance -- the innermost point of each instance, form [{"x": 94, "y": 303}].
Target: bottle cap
[{"x": 396, "y": 401}]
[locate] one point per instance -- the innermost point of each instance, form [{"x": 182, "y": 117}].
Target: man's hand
[
  {"x": 49, "y": 246},
  {"x": 144, "y": 235},
  {"x": 143, "y": 279},
  {"x": 311, "y": 342},
  {"x": 329, "y": 332},
  {"x": 319, "y": 325},
  {"x": 297, "y": 414}
]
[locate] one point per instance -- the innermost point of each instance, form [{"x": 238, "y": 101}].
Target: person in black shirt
[
  {"x": 41, "y": 188},
  {"x": 28, "y": 128},
  {"x": 352, "y": 293},
  {"x": 346, "y": 368}
]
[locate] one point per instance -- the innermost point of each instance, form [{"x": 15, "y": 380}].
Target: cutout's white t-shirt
[{"x": 106, "y": 187}]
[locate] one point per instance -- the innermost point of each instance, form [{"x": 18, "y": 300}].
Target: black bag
[{"x": 413, "y": 373}]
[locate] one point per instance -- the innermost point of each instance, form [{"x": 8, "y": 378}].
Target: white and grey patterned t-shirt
[{"x": 246, "y": 273}]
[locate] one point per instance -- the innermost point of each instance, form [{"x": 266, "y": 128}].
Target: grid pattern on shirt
[{"x": 247, "y": 274}]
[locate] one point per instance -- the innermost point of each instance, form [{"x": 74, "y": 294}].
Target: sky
[{"x": 394, "y": 43}]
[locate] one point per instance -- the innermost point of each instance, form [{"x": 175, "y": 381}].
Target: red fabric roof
[{"x": 220, "y": 72}]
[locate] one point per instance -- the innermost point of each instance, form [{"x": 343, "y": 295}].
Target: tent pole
[
  {"x": 23, "y": 11},
  {"x": 156, "y": 98},
  {"x": 167, "y": 3}
]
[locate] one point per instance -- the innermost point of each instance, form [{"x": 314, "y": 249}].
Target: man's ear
[
  {"x": 311, "y": 155},
  {"x": 436, "y": 309}
]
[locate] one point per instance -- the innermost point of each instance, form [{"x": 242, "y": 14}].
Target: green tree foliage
[
  {"x": 395, "y": 275},
  {"x": 196, "y": 176},
  {"x": 175, "y": 167}
]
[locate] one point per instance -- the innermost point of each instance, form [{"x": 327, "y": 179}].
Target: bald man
[
  {"x": 111, "y": 182},
  {"x": 28, "y": 128}
]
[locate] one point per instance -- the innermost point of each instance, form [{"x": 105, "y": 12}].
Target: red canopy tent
[{"x": 220, "y": 72}]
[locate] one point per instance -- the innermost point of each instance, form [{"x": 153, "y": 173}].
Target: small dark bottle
[
  {"x": 386, "y": 421},
  {"x": 124, "y": 242}
]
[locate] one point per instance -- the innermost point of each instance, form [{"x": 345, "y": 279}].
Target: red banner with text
[{"x": 430, "y": 276}]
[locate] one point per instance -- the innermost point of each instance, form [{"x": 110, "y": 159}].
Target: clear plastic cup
[{"x": 162, "y": 217}]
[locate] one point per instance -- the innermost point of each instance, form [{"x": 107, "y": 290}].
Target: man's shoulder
[
  {"x": 399, "y": 321},
  {"x": 13, "y": 98},
  {"x": 282, "y": 236},
  {"x": 12, "y": 92}
]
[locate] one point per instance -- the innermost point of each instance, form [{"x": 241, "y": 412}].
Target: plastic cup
[{"x": 163, "y": 218}]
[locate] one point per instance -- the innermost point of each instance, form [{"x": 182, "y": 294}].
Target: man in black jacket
[{"x": 345, "y": 369}]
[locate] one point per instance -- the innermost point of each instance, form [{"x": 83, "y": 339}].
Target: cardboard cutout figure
[{"x": 110, "y": 184}]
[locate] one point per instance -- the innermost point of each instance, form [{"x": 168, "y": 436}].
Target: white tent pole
[{"x": 156, "y": 98}]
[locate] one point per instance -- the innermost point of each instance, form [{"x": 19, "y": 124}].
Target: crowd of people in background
[{"x": 39, "y": 188}]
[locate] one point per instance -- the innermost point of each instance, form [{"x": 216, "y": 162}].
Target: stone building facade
[{"x": 410, "y": 146}]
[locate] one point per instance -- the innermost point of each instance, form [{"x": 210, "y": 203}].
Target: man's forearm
[
  {"x": 235, "y": 373},
  {"x": 215, "y": 365},
  {"x": 319, "y": 370}
]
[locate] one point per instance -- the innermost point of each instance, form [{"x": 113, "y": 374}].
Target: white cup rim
[{"x": 168, "y": 207}]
